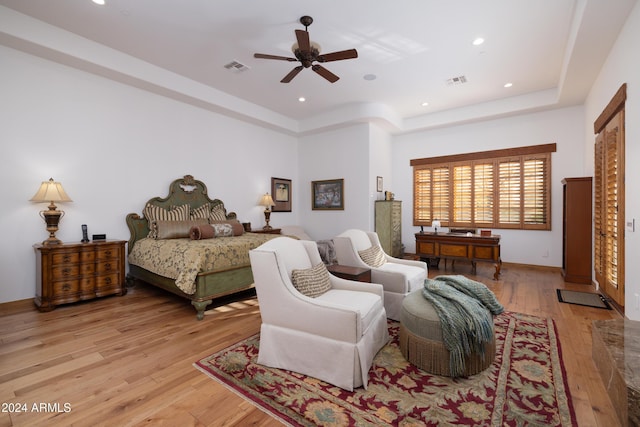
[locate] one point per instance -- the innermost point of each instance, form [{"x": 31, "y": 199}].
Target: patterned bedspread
[{"x": 183, "y": 259}]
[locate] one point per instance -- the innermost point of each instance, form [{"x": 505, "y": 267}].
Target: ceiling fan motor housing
[{"x": 306, "y": 58}]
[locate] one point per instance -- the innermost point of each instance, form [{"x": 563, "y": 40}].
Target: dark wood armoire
[{"x": 576, "y": 229}]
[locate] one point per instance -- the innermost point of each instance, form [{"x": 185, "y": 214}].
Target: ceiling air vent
[
  {"x": 236, "y": 66},
  {"x": 454, "y": 81}
]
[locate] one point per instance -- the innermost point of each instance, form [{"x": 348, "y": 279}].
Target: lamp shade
[
  {"x": 435, "y": 223},
  {"x": 267, "y": 201},
  {"x": 50, "y": 191}
]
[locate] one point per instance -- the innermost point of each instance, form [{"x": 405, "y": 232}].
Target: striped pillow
[
  {"x": 373, "y": 256},
  {"x": 156, "y": 213},
  {"x": 313, "y": 281},
  {"x": 217, "y": 213},
  {"x": 201, "y": 212}
]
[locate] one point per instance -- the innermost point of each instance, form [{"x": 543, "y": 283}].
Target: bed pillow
[
  {"x": 313, "y": 281},
  {"x": 201, "y": 212},
  {"x": 175, "y": 229},
  {"x": 217, "y": 213},
  {"x": 209, "y": 231},
  {"x": 238, "y": 229},
  {"x": 156, "y": 213},
  {"x": 373, "y": 256}
]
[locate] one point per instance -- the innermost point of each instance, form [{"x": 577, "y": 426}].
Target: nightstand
[
  {"x": 350, "y": 273},
  {"x": 263, "y": 231},
  {"x": 71, "y": 272}
]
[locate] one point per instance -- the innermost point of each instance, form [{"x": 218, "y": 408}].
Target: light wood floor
[{"x": 128, "y": 360}]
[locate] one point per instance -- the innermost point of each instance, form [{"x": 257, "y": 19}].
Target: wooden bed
[{"x": 208, "y": 284}]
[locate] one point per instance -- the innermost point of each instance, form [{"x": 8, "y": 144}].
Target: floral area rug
[{"x": 526, "y": 385}]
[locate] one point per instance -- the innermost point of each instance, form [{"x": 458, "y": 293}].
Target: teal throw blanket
[{"x": 465, "y": 308}]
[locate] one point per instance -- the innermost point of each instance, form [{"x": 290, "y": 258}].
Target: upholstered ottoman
[{"x": 421, "y": 341}]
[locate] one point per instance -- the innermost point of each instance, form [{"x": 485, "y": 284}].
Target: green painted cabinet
[{"x": 389, "y": 226}]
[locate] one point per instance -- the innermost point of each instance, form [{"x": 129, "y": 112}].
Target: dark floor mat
[{"x": 589, "y": 299}]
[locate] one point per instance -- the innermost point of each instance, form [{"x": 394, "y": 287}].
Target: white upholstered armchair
[
  {"x": 398, "y": 277},
  {"x": 332, "y": 335}
]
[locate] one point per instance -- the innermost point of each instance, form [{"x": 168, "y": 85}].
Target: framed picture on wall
[
  {"x": 327, "y": 195},
  {"x": 281, "y": 191},
  {"x": 379, "y": 184}
]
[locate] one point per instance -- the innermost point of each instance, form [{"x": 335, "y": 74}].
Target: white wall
[
  {"x": 379, "y": 165},
  {"x": 562, "y": 126},
  {"x": 113, "y": 147},
  {"x": 623, "y": 66},
  {"x": 342, "y": 153}
]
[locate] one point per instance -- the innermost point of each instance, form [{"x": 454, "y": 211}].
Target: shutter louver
[
  {"x": 611, "y": 231},
  {"x": 535, "y": 185},
  {"x": 440, "y": 187},
  {"x": 422, "y": 196},
  {"x": 483, "y": 194},
  {"x": 509, "y": 199},
  {"x": 598, "y": 225},
  {"x": 462, "y": 194}
]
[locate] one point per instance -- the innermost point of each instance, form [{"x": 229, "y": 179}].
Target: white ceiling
[{"x": 550, "y": 50}]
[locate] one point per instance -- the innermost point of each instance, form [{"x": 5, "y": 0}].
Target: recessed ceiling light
[
  {"x": 424, "y": 104},
  {"x": 100, "y": 2},
  {"x": 369, "y": 77},
  {"x": 508, "y": 84},
  {"x": 302, "y": 99},
  {"x": 478, "y": 41}
]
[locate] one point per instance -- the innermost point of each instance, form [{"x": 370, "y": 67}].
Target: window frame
[{"x": 529, "y": 168}]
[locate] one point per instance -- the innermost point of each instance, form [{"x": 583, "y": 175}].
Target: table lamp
[
  {"x": 267, "y": 202},
  {"x": 435, "y": 224},
  {"x": 51, "y": 191}
]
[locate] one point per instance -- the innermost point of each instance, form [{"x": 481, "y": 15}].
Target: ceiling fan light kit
[{"x": 307, "y": 53}]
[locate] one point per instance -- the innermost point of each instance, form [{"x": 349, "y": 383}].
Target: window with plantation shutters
[{"x": 492, "y": 189}]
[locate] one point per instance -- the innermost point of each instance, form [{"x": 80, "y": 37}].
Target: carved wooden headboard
[{"x": 185, "y": 190}]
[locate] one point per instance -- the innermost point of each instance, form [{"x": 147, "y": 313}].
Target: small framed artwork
[
  {"x": 281, "y": 190},
  {"x": 379, "y": 184},
  {"x": 328, "y": 194}
]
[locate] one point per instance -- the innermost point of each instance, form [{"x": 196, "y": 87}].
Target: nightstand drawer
[
  {"x": 112, "y": 266},
  {"x": 71, "y": 270},
  {"x": 107, "y": 253},
  {"x": 65, "y": 258},
  {"x": 66, "y": 288},
  {"x": 87, "y": 256},
  {"x": 108, "y": 285}
]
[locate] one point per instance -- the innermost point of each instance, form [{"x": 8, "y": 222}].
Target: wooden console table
[{"x": 434, "y": 246}]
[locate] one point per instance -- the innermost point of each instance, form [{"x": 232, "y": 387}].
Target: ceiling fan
[{"x": 307, "y": 53}]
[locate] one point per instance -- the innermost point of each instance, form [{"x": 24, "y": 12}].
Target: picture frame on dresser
[
  {"x": 281, "y": 191},
  {"x": 327, "y": 194}
]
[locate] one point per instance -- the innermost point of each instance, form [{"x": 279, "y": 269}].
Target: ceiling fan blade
[
  {"x": 325, "y": 73},
  {"x": 303, "y": 40},
  {"x": 292, "y": 74},
  {"x": 265, "y": 56},
  {"x": 338, "y": 56}
]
